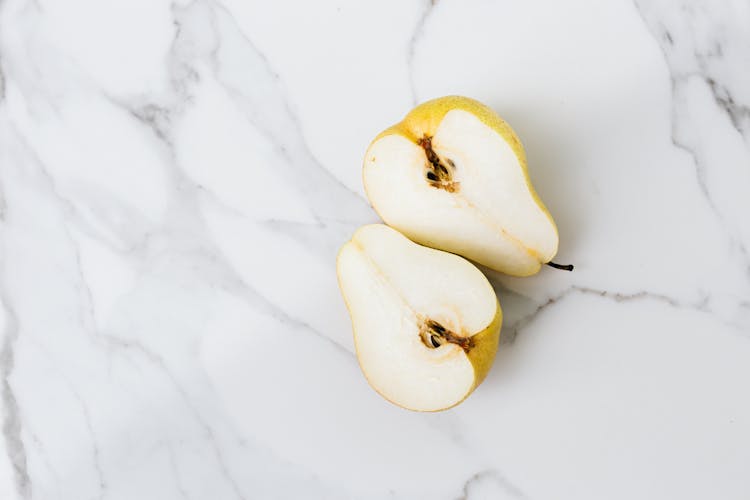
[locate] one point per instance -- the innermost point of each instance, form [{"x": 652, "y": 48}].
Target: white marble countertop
[{"x": 176, "y": 178}]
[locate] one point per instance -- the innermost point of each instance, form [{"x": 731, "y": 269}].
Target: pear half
[
  {"x": 426, "y": 322},
  {"x": 452, "y": 175}
]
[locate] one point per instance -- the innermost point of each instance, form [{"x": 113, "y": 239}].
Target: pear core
[
  {"x": 433, "y": 335},
  {"x": 438, "y": 172}
]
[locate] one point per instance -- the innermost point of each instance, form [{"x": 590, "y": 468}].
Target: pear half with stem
[
  {"x": 426, "y": 322},
  {"x": 452, "y": 175}
]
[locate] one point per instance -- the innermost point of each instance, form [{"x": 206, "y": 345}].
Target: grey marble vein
[
  {"x": 515, "y": 327},
  {"x": 738, "y": 113},
  {"x": 156, "y": 360},
  {"x": 2, "y": 82},
  {"x": 95, "y": 451},
  {"x": 86, "y": 321},
  {"x": 2, "y": 71},
  {"x": 15, "y": 447},
  {"x": 429, "y": 5},
  {"x": 195, "y": 412},
  {"x": 318, "y": 183},
  {"x": 67, "y": 207},
  {"x": 322, "y": 238},
  {"x": 160, "y": 118},
  {"x": 39, "y": 451},
  {"x": 176, "y": 471},
  {"x": 687, "y": 57},
  {"x": 688, "y": 54},
  {"x": 701, "y": 169},
  {"x": 190, "y": 194},
  {"x": 493, "y": 475}
]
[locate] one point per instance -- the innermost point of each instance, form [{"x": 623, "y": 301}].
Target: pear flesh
[
  {"x": 453, "y": 176},
  {"x": 426, "y": 323}
]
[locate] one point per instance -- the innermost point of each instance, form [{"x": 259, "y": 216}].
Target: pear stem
[{"x": 564, "y": 267}]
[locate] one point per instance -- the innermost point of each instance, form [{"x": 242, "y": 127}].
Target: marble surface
[{"x": 176, "y": 178}]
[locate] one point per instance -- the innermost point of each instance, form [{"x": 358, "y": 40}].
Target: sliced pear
[
  {"x": 452, "y": 175},
  {"x": 426, "y": 322}
]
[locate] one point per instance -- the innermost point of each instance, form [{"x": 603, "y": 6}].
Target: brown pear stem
[{"x": 564, "y": 267}]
